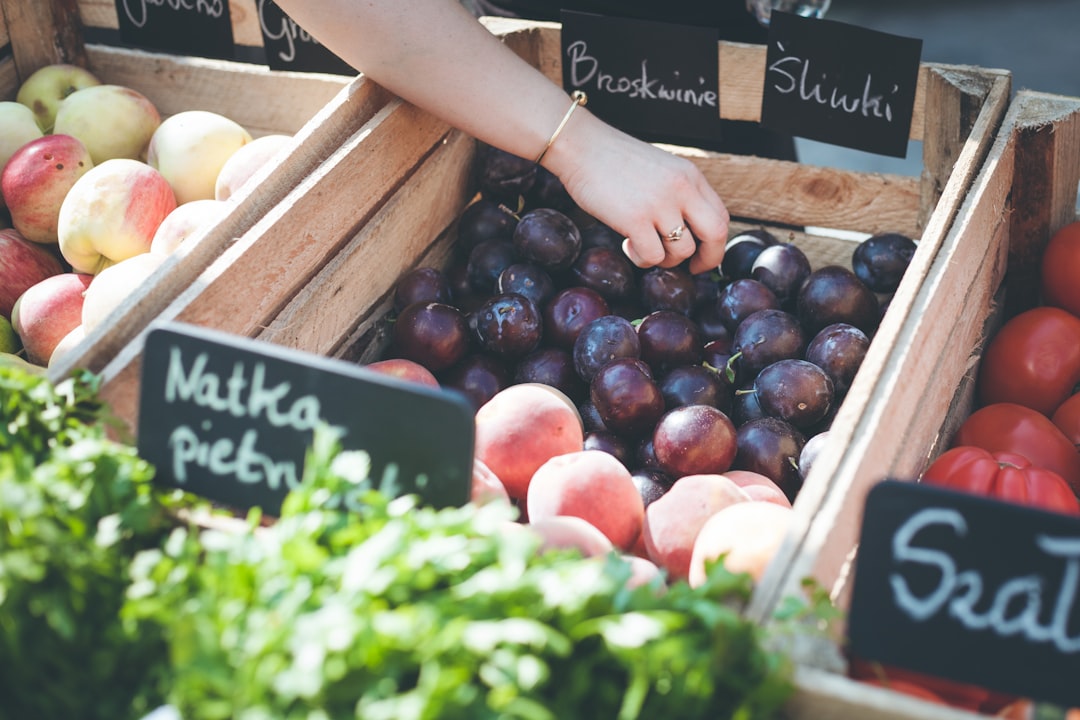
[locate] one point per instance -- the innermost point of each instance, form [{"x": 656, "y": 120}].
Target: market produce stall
[{"x": 371, "y": 191}]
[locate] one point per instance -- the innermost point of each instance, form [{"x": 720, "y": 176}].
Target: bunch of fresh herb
[
  {"x": 75, "y": 508},
  {"x": 398, "y": 611}
]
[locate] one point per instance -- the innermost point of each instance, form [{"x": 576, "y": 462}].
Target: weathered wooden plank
[
  {"x": 322, "y": 315},
  {"x": 43, "y": 32}
]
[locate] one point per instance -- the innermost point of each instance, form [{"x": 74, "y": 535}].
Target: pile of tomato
[{"x": 1021, "y": 443}]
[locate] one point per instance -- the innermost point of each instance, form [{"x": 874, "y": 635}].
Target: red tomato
[
  {"x": 928, "y": 687},
  {"x": 1033, "y": 360},
  {"x": 1061, "y": 268},
  {"x": 1002, "y": 475},
  {"x": 1008, "y": 427},
  {"x": 1067, "y": 418}
]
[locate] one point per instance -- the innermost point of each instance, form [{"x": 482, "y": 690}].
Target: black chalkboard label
[
  {"x": 840, "y": 84},
  {"x": 231, "y": 419},
  {"x": 290, "y": 47},
  {"x": 971, "y": 589},
  {"x": 656, "y": 81},
  {"x": 201, "y": 28}
]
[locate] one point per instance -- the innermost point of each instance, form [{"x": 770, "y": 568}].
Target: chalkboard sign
[
  {"x": 840, "y": 84},
  {"x": 231, "y": 419},
  {"x": 201, "y": 28},
  {"x": 971, "y": 589},
  {"x": 656, "y": 81},
  {"x": 290, "y": 47}
]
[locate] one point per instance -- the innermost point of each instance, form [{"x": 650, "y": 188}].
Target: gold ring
[{"x": 675, "y": 234}]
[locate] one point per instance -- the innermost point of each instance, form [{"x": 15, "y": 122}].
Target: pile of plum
[{"x": 672, "y": 373}]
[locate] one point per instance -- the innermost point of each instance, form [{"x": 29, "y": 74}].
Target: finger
[
  {"x": 711, "y": 230},
  {"x": 678, "y": 246},
  {"x": 645, "y": 248}
]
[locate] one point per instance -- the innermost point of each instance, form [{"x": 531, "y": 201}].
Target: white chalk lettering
[
  {"x": 792, "y": 75},
  {"x": 222, "y": 457},
  {"x": 1015, "y": 608},
  {"x": 585, "y": 70},
  {"x": 289, "y": 31},
  {"x": 137, "y": 10}
]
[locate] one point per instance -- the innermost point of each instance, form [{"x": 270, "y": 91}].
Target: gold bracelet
[{"x": 579, "y": 98}]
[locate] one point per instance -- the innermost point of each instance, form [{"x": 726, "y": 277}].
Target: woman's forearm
[{"x": 437, "y": 56}]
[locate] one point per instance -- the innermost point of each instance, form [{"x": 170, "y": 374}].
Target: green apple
[
  {"x": 190, "y": 148},
  {"x": 185, "y": 221},
  {"x": 9, "y": 340},
  {"x": 46, "y": 88},
  {"x": 112, "y": 121},
  {"x": 111, "y": 213},
  {"x": 17, "y": 127}
]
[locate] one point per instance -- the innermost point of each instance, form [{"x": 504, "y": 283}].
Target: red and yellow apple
[
  {"x": 247, "y": 161},
  {"x": 48, "y": 311},
  {"x": 113, "y": 121},
  {"x": 184, "y": 221},
  {"x": 190, "y": 148},
  {"x": 22, "y": 264},
  {"x": 67, "y": 344},
  {"x": 114, "y": 285},
  {"x": 37, "y": 178},
  {"x": 48, "y": 86},
  {"x": 112, "y": 213}
]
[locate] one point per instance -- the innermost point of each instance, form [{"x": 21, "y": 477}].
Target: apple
[
  {"x": 190, "y": 148},
  {"x": 111, "y": 213},
  {"x": 113, "y": 286},
  {"x": 247, "y": 161},
  {"x": 184, "y": 221},
  {"x": 46, "y": 88},
  {"x": 37, "y": 178},
  {"x": 17, "y": 361},
  {"x": 67, "y": 343},
  {"x": 22, "y": 264},
  {"x": 48, "y": 311},
  {"x": 9, "y": 339},
  {"x": 404, "y": 369},
  {"x": 113, "y": 121},
  {"x": 17, "y": 127}
]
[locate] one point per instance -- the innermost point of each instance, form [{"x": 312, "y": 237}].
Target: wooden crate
[
  {"x": 985, "y": 271},
  {"x": 318, "y": 110},
  {"x": 316, "y": 272}
]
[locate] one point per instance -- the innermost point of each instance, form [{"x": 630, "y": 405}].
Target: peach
[
  {"x": 111, "y": 213},
  {"x": 746, "y": 534},
  {"x": 48, "y": 311},
  {"x": 486, "y": 485},
  {"x": 246, "y": 162},
  {"x": 570, "y": 532},
  {"x": 643, "y": 572},
  {"x": 758, "y": 486},
  {"x": 67, "y": 343},
  {"x": 592, "y": 485},
  {"x": 672, "y": 522},
  {"x": 522, "y": 427},
  {"x": 402, "y": 368},
  {"x": 37, "y": 178}
]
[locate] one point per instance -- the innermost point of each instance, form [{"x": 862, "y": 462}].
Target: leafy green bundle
[
  {"x": 75, "y": 508},
  {"x": 353, "y": 604},
  {"x": 398, "y": 612}
]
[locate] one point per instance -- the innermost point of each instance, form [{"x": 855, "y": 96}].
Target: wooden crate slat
[
  {"x": 321, "y": 316},
  {"x": 43, "y": 32},
  {"x": 261, "y": 100}
]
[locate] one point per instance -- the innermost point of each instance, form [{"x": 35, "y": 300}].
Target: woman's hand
[{"x": 642, "y": 192}]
